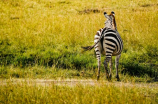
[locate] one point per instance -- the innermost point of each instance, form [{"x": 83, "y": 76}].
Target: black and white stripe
[{"x": 109, "y": 43}]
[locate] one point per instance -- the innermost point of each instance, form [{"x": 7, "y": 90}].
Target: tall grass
[
  {"x": 42, "y": 39},
  {"x": 24, "y": 92},
  {"x": 35, "y": 72},
  {"x": 47, "y": 32}
]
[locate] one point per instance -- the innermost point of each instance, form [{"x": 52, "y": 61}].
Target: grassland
[
  {"x": 100, "y": 92},
  {"x": 50, "y": 33},
  {"x": 43, "y": 39}
]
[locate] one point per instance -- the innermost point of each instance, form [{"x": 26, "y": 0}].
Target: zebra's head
[{"x": 110, "y": 22}]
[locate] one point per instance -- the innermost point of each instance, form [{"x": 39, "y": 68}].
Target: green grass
[
  {"x": 44, "y": 73},
  {"x": 46, "y": 33},
  {"x": 40, "y": 72},
  {"x": 51, "y": 33},
  {"x": 43, "y": 38}
]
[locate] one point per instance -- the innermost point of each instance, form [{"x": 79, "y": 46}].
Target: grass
[
  {"x": 43, "y": 73},
  {"x": 43, "y": 38},
  {"x": 38, "y": 32},
  {"x": 40, "y": 72},
  {"x": 102, "y": 92}
]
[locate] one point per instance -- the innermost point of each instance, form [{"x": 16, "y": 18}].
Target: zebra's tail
[
  {"x": 87, "y": 48},
  {"x": 101, "y": 37}
]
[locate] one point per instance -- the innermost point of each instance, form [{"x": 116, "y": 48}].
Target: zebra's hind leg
[
  {"x": 99, "y": 64},
  {"x": 110, "y": 65},
  {"x": 106, "y": 67},
  {"x": 98, "y": 55},
  {"x": 116, "y": 66}
]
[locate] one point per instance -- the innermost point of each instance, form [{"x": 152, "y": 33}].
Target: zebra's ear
[
  {"x": 105, "y": 14},
  {"x": 113, "y": 13}
]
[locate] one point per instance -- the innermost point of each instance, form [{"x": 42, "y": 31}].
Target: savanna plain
[{"x": 41, "y": 60}]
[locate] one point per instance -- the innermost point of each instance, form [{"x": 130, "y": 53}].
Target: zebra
[{"x": 109, "y": 43}]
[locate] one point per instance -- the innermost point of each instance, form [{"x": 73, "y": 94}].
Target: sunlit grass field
[
  {"x": 100, "y": 93},
  {"x": 51, "y": 33},
  {"x": 43, "y": 38}
]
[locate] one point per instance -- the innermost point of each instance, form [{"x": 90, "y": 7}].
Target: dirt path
[
  {"x": 47, "y": 82},
  {"x": 74, "y": 82}
]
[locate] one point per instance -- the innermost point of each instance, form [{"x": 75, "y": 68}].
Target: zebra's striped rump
[{"x": 112, "y": 42}]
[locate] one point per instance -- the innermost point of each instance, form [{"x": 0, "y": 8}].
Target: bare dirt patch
[{"x": 74, "y": 82}]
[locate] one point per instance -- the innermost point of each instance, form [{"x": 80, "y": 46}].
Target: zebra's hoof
[
  {"x": 118, "y": 79},
  {"x": 97, "y": 78},
  {"x": 110, "y": 76}
]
